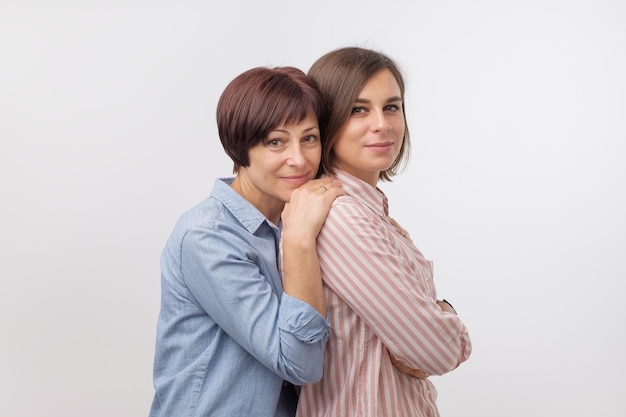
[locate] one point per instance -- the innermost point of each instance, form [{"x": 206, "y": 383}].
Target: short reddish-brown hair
[{"x": 259, "y": 100}]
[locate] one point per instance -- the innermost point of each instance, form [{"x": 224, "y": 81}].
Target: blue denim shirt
[{"x": 227, "y": 335}]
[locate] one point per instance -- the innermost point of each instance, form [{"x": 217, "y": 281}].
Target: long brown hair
[{"x": 340, "y": 76}]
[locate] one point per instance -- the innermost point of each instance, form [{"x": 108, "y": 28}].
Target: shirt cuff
[{"x": 302, "y": 321}]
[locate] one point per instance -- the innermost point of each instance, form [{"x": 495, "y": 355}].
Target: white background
[{"x": 516, "y": 190}]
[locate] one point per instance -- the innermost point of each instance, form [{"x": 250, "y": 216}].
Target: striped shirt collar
[{"x": 371, "y": 197}]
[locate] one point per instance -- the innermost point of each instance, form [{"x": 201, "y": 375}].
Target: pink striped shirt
[{"x": 381, "y": 299}]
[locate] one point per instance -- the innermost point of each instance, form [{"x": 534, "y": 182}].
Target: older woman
[{"x": 232, "y": 337}]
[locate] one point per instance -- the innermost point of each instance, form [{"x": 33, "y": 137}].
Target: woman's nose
[
  {"x": 296, "y": 157},
  {"x": 381, "y": 124}
]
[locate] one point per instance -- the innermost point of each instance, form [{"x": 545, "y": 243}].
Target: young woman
[
  {"x": 231, "y": 332},
  {"x": 389, "y": 331}
]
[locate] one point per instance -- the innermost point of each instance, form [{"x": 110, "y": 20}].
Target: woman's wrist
[{"x": 445, "y": 302}]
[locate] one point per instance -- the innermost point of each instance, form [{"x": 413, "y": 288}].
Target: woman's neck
[{"x": 269, "y": 207}]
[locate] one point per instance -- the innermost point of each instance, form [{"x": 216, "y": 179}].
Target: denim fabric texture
[{"x": 227, "y": 335}]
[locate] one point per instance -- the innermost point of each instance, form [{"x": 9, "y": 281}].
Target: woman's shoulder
[
  {"x": 346, "y": 201},
  {"x": 350, "y": 208}
]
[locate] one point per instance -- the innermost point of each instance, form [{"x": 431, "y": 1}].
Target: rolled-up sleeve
[
  {"x": 304, "y": 333},
  {"x": 234, "y": 279}
]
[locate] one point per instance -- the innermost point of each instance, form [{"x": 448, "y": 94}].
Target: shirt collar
[
  {"x": 372, "y": 197},
  {"x": 248, "y": 215}
]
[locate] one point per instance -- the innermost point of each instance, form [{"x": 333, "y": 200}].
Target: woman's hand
[
  {"x": 302, "y": 220},
  {"x": 306, "y": 211},
  {"x": 403, "y": 368}
]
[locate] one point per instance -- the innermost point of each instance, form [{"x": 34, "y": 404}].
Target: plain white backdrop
[{"x": 516, "y": 189}]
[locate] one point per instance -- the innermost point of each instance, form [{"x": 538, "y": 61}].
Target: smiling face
[
  {"x": 287, "y": 158},
  {"x": 371, "y": 138}
]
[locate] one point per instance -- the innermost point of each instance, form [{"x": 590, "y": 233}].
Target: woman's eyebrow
[{"x": 390, "y": 99}]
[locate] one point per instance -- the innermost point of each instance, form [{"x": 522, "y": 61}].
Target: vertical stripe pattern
[{"x": 381, "y": 299}]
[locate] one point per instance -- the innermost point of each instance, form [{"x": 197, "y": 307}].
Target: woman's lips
[
  {"x": 296, "y": 179},
  {"x": 381, "y": 146}
]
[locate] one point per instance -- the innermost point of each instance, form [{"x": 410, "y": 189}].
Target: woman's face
[
  {"x": 370, "y": 140},
  {"x": 287, "y": 158}
]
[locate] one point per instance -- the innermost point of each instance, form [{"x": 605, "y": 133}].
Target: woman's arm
[
  {"x": 390, "y": 287},
  {"x": 302, "y": 220},
  {"x": 232, "y": 276},
  {"x": 235, "y": 282}
]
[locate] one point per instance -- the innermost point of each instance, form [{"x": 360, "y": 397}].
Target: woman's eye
[
  {"x": 274, "y": 143},
  {"x": 310, "y": 139},
  {"x": 358, "y": 110},
  {"x": 392, "y": 107}
]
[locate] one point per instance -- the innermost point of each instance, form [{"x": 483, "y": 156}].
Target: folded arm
[{"x": 389, "y": 284}]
